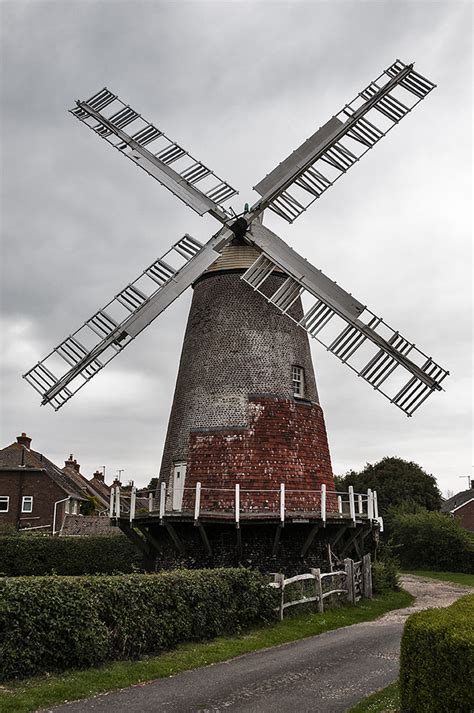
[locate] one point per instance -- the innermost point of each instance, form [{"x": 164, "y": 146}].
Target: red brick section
[
  {"x": 285, "y": 443},
  {"x": 465, "y": 515}
]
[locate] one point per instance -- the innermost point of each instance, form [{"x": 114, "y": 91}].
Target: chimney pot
[
  {"x": 24, "y": 440},
  {"x": 98, "y": 475}
]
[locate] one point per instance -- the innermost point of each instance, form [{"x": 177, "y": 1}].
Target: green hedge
[
  {"x": 437, "y": 660},
  {"x": 431, "y": 540},
  {"x": 55, "y": 623},
  {"x": 38, "y": 555}
]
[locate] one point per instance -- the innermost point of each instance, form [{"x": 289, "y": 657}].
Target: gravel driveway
[{"x": 328, "y": 673}]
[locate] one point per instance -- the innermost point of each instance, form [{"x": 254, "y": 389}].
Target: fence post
[
  {"x": 376, "y": 506},
  {"x": 162, "y": 499},
  {"x": 360, "y": 503},
  {"x": 367, "y": 576},
  {"x": 323, "y": 503},
  {"x": 352, "y": 503},
  {"x": 237, "y": 503},
  {"x": 150, "y": 502},
  {"x": 112, "y": 502},
  {"x": 280, "y": 580},
  {"x": 349, "y": 567},
  {"x": 339, "y": 503},
  {"x": 318, "y": 588},
  {"x": 370, "y": 505},
  {"x": 197, "y": 501},
  {"x": 117, "y": 501},
  {"x": 282, "y": 502},
  {"x": 133, "y": 495}
]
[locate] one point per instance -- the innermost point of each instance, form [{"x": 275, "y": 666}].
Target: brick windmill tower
[{"x": 246, "y": 442}]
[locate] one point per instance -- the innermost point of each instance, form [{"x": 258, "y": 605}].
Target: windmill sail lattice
[
  {"x": 108, "y": 116},
  {"x": 78, "y": 358},
  {"x": 342, "y": 141},
  {"x": 378, "y": 354}
]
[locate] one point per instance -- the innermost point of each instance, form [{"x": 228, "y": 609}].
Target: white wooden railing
[{"x": 237, "y": 501}]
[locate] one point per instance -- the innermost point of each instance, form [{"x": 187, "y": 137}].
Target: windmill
[{"x": 248, "y": 281}]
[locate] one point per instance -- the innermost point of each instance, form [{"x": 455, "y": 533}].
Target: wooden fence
[{"x": 356, "y": 578}]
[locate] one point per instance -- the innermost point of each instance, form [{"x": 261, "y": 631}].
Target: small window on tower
[{"x": 297, "y": 378}]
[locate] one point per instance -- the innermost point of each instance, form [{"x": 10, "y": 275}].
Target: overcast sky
[{"x": 240, "y": 85}]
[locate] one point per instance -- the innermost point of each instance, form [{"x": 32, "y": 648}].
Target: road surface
[{"x": 328, "y": 673}]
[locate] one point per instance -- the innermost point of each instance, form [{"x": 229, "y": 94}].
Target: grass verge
[
  {"x": 455, "y": 577},
  {"x": 34, "y": 693},
  {"x": 385, "y": 701}
]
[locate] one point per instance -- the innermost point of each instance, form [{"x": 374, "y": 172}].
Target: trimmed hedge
[
  {"x": 39, "y": 555},
  {"x": 431, "y": 540},
  {"x": 55, "y": 623},
  {"x": 437, "y": 660}
]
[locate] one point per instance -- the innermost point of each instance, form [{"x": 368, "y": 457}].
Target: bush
[
  {"x": 39, "y": 555},
  {"x": 432, "y": 540},
  {"x": 385, "y": 576},
  {"x": 54, "y": 623},
  {"x": 437, "y": 660}
]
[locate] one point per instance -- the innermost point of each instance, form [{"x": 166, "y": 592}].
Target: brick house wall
[
  {"x": 25, "y": 481},
  {"x": 465, "y": 515}
]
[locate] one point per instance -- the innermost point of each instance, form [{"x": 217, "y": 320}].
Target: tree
[
  {"x": 396, "y": 481},
  {"x": 153, "y": 484}
]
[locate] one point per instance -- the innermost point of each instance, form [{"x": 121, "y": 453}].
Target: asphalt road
[{"x": 323, "y": 674}]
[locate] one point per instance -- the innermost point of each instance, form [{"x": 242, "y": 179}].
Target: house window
[
  {"x": 297, "y": 379},
  {"x": 73, "y": 507},
  {"x": 27, "y": 503},
  {"x": 4, "y": 503}
]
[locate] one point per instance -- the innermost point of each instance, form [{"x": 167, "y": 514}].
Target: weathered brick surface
[
  {"x": 465, "y": 515},
  {"x": 285, "y": 442}
]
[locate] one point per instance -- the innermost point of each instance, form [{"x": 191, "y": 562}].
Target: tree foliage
[{"x": 396, "y": 481}]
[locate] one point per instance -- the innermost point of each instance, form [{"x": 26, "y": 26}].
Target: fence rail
[
  {"x": 355, "y": 587},
  {"x": 237, "y": 501}
]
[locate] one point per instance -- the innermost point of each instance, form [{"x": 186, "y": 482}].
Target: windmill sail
[
  {"x": 377, "y": 353},
  {"x": 154, "y": 152},
  {"x": 342, "y": 141},
  {"x": 83, "y": 354}
]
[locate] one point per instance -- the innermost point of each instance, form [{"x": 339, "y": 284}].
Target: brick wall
[
  {"x": 19, "y": 482},
  {"x": 465, "y": 515},
  {"x": 285, "y": 442}
]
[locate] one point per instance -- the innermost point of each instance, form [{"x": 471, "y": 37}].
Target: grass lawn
[
  {"x": 34, "y": 693},
  {"x": 385, "y": 701},
  {"x": 456, "y": 577}
]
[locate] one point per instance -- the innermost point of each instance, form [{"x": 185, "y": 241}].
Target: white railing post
[
  {"x": 339, "y": 503},
  {"x": 376, "y": 506},
  {"x": 237, "y": 503},
  {"x": 361, "y": 504},
  {"x": 150, "y": 502},
  {"x": 117, "y": 501},
  {"x": 197, "y": 501},
  {"x": 352, "y": 503},
  {"x": 133, "y": 496},
  {"x": 162, "y": 499},
  {"x": 370, "y": 505},
  {"x": 323, "y": 503},
  {"x": 282, "y": 502},
  {"x": 112, "y": 502}
]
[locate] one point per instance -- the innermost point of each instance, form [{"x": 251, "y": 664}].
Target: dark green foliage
[
  {"x": 55, "y": 623},
  {"x": 432, "y": 540},
  {"x": 153, "y": 484},
  {"x": 90, "y": 506},
  {"x": 437, "y": 660},
  {"x": 396, "y": 481},
  {"x": 385, "y": 576},
  {"x": 38, "y": 555}
]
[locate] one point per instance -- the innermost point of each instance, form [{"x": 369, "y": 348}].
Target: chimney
[
  {"x": 70, "y": 462},
  {"x": 24, "y": 440},
  {"x": 98, "y": 475},
  {"x": 76, "y": 466}
]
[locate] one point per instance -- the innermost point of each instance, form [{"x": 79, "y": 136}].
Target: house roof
[
  {"x": 17, "y": 455},
  {"x": 458, "y": 500},
  {"x": 88, "y": 487}
]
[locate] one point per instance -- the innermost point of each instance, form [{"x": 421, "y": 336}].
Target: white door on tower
[{"x": 179, "y": 475}]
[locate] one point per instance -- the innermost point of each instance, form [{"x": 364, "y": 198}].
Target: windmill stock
[{"x": 380, "y": 355}]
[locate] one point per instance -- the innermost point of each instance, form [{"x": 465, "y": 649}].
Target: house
[
  {"x": 34, "y": 492},
  {"x": 461, "y": 506},
  {"x": 37, "y": 494}
]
